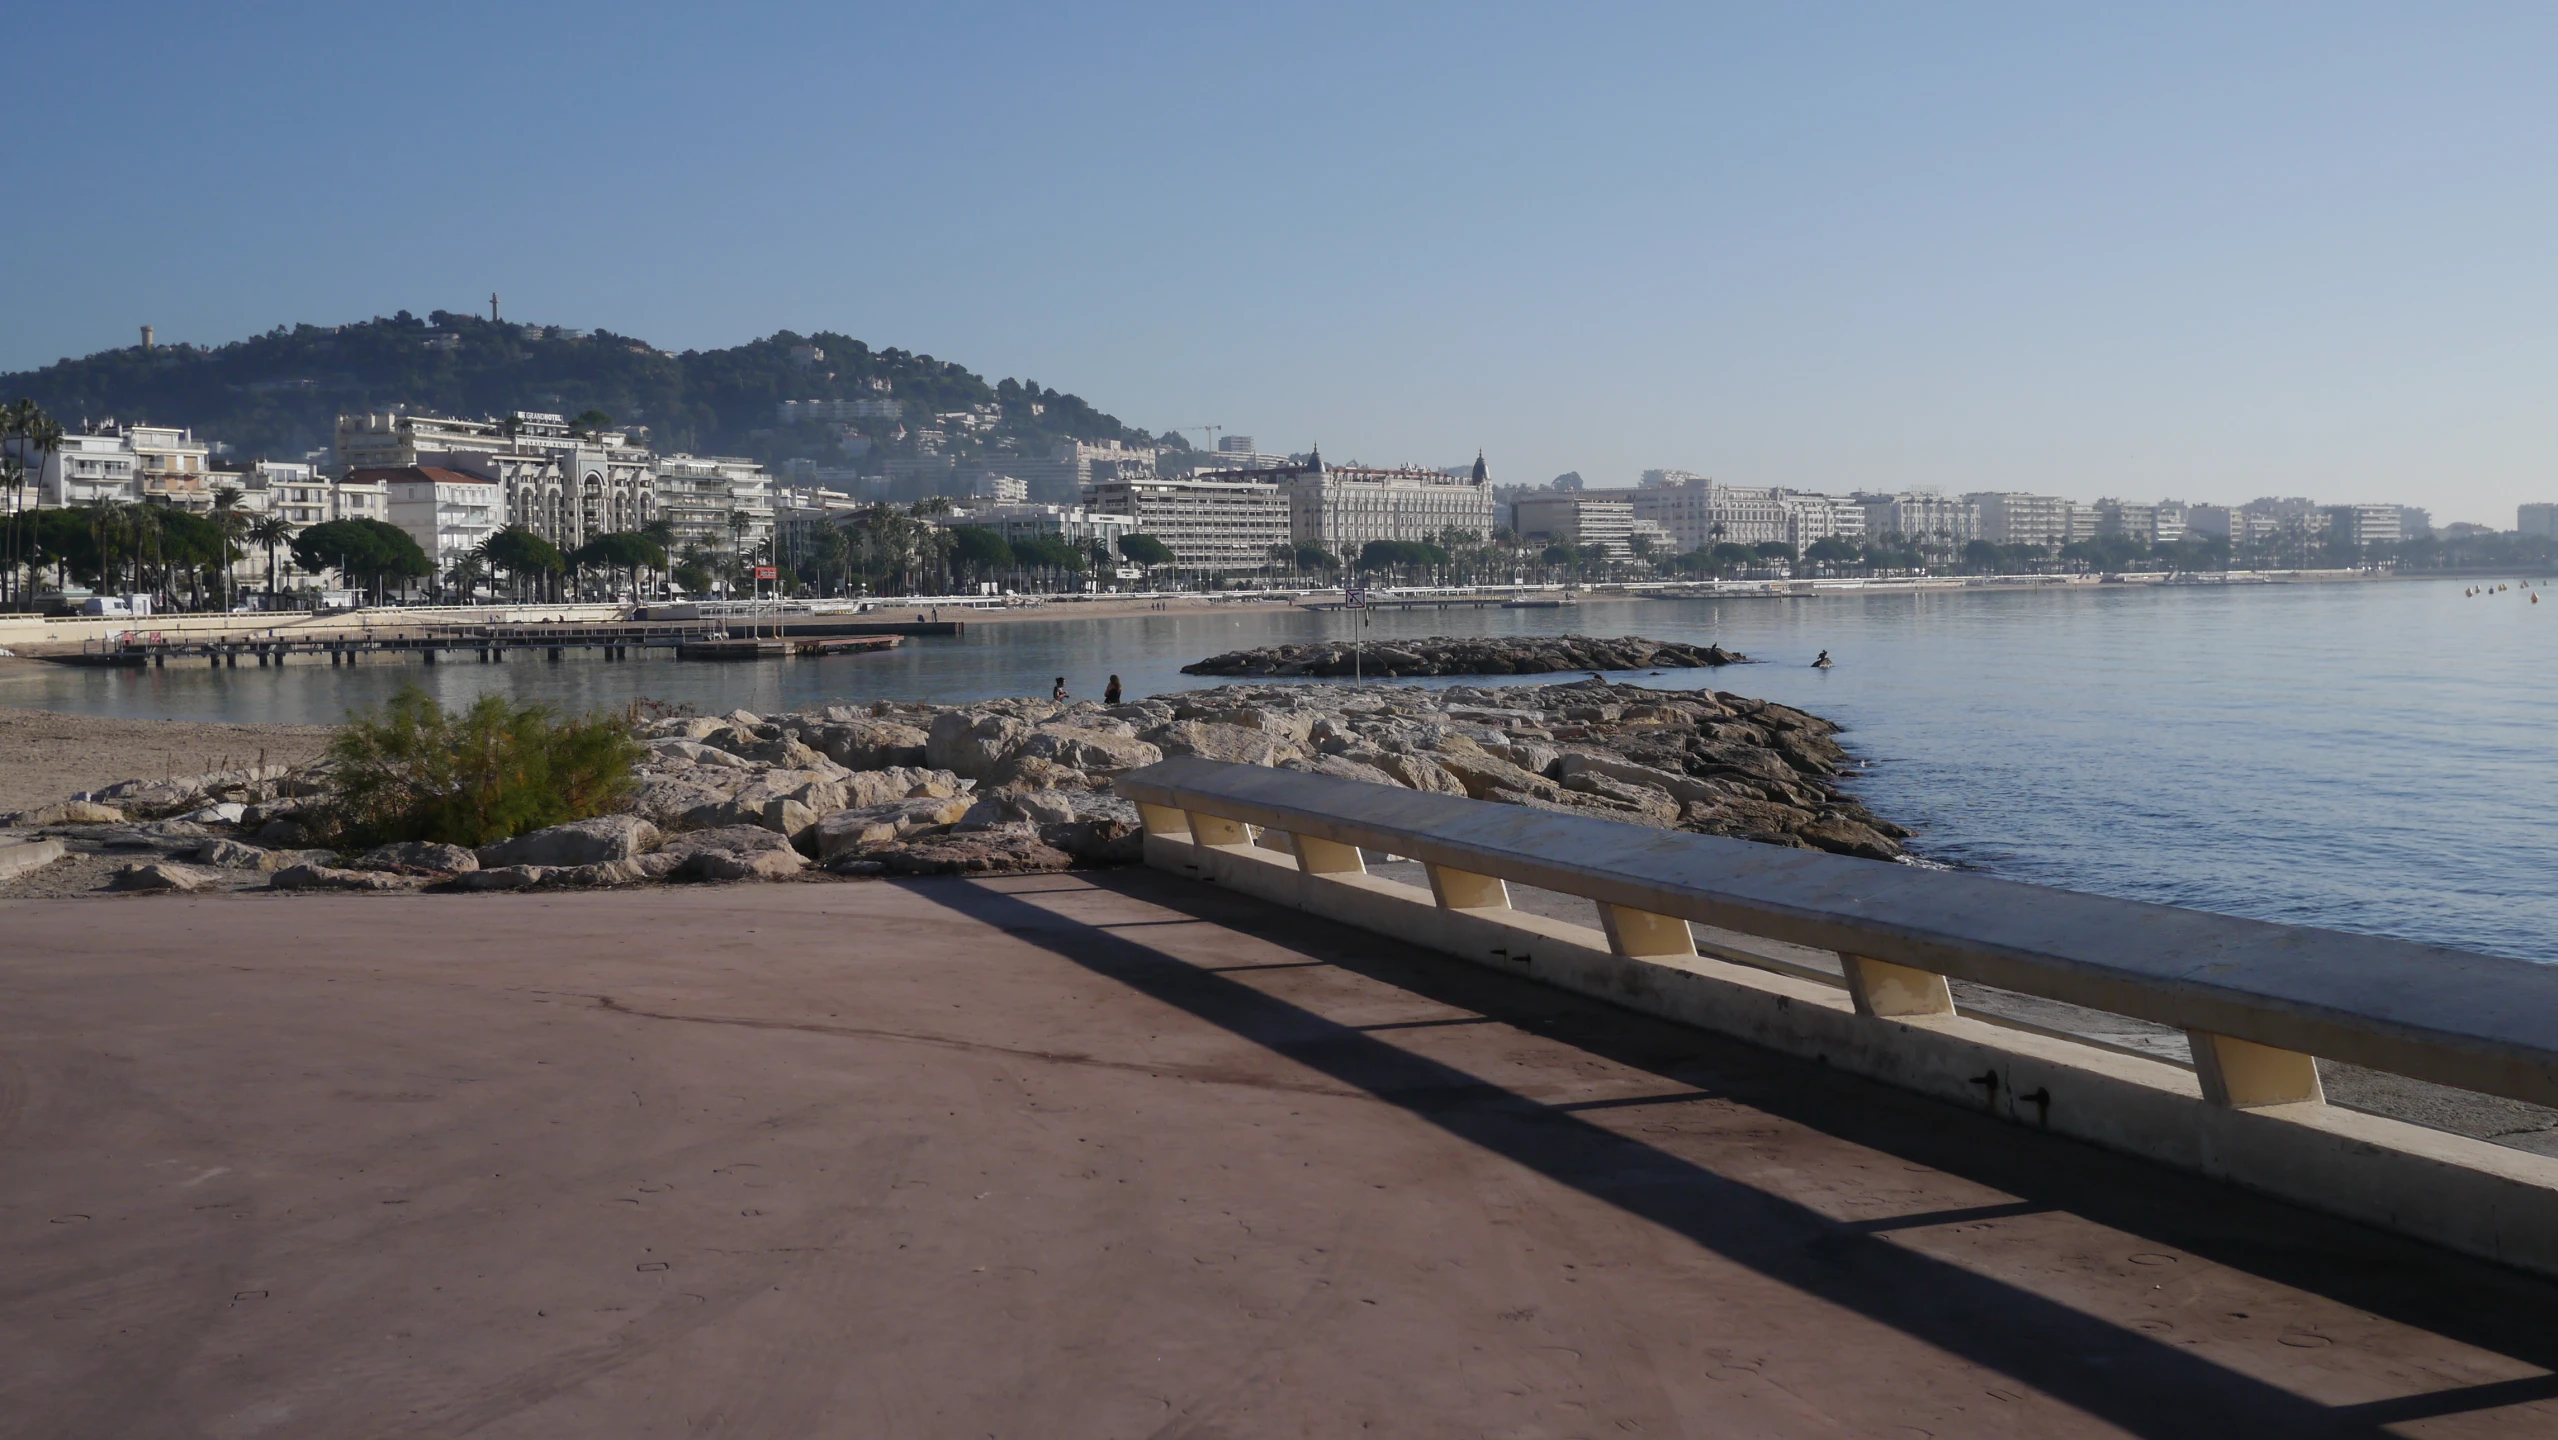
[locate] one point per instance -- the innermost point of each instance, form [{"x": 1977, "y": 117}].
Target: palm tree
[
  {"x": 231, "y": 523},
  {"x": 38, "y": 434},
  {"x": 270, "y": 531},
  {"x": 108, "y": 522}
]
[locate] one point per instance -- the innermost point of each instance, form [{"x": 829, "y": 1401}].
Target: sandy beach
[{"x": 46, "y": 755}]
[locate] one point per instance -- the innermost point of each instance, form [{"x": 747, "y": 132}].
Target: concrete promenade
[{"x": 1086, "y": 1155}]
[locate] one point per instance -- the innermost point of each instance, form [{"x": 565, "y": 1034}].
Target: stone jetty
[
  {"x": 1006, "y": 786},
  {"x": 1467, "y": 655}
]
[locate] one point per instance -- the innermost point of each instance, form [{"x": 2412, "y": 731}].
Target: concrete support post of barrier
[
  {"x": 1328, "y": 857},
  {"x": 2244, "y": 1075},
  {"x": 1880, "y": 988},
  {"x": 1640, "y": 934},
  {"x": 1217, "y": 830},
  {"x": 1465, "y": 890},
  {"x": 1163, "y": 822}
]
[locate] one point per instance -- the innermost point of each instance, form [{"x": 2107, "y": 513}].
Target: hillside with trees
[{"x": 279, "y": 394}]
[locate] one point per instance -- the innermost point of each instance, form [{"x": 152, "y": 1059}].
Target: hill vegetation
[{"x": 279, "y": 394}]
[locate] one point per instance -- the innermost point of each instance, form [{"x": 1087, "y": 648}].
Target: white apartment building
[
  {"x": 1810, "y": 519},
  {"x": 1000, "y": 489},
  {"x": 1211, "y": 526},
  {"x": 1343, "y": 508},
  {"x": 1698, "y": 513},
  {"x": 701, "y": 496},
  {"x": 2361, "y": 525},
  {"x": 2017, "y": 518},
  {"x": 2128, "y": 518},
  {"x": 353, "y": 499},
  {"x": 565, "y": 486},
  {"x": 448, "y": 513},
  {"x": 88, "y": 468},
  {"x": 2539, "y": 519},
  {"x": 1586, "y": 518},
  {"x": 1923, "y": 516}
]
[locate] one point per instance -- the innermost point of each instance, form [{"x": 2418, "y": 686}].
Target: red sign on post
[{"x": 767, "y": 572}]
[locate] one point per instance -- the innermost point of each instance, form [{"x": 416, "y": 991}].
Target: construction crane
[{"x": 1209, "y": 430}]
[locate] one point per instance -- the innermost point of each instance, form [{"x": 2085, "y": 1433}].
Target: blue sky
[{"x": 2206, "y": 252}]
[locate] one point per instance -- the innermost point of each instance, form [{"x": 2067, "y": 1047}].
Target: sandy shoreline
[{"x": 46, "y": 755}]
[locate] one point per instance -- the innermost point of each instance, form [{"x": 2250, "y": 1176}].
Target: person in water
[
  {"x": 1823, "y": 663},
  {"x": 1059, "y": 694},
  {"x": 1110, "y": 692}
]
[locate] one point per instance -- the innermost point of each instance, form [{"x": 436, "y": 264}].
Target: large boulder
[
  {"x": 418, "y": 857},
  {"x": 737, "y": 852},
  {"x": 898, "y": 782},
  {"x": 992, "y": 852},
  {"x": 1842, "y": 836},
  {"x": 1576, "y": 764},
  {"x": 872, "y": 826},
  {"x": 694, "y": 752},
  {"x": 1482, "y": 774},
  {"x": 1023, "y": 772},
  {"x": 866, "y": 744},
  {"x": 968, "y": 745},
  {"x": 162, "y": 876},
  {"x": 68, "y": 812},
  {"x": 1238, "y": 744},
  {"x": 1742, "y": 816},
  {"x": 1341, "y": 767},
  {"x": 1059, "y": 807},
  {"x": 1095, "y": 752},
  {"x": 579, "y": 842},
  {"x": 1652, "y": 802},
  {"x": 1420, "y": 772},
  {"x": 667, "y": 801},
  {"x": 230, "y": 855}
]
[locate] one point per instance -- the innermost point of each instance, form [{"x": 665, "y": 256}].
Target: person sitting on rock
[
  {"x": 1110, "y": 692},
  {"x": 1059, "y": 694}
]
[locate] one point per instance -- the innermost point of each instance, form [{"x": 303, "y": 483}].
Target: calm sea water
[{"x": 2369, "y": 757}]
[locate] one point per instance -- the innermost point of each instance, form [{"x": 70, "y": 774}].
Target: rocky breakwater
[
  {"x": 1467, "y": 655},
  {"x": 1005, "y": 786}
]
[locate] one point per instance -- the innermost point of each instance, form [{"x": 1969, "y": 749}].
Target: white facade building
[
  {"x": 1811, "y": 519},
  {"x": 88, "y": 468},
  {"x": 2362, "y": 525},
  {"x": 2539, "y": 519},
  {"x": 1922, "y": 516},
  {"x": 1586, "y": 518},
  {"x": 2017, "y": 518},
  {"x": 448, "y": 513},
  {"x": 1343, "y": 508},
  {"x": 568, "y": 486},
  {"x": 1211, "y": 526},
  {"x": 1699, "y": 514}
]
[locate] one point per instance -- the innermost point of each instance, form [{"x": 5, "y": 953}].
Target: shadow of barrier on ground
[{"x": 2145, "y": 1385}]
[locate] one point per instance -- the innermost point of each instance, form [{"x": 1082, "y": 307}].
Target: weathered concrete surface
[{"x": 1077, "y": 1156}]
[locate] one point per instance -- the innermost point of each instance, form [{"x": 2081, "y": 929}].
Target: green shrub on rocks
[{"x": 415, "y": 771}]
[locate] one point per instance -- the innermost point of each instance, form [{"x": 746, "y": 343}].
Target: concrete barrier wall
[{"x": 2469, "y": 1195}]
